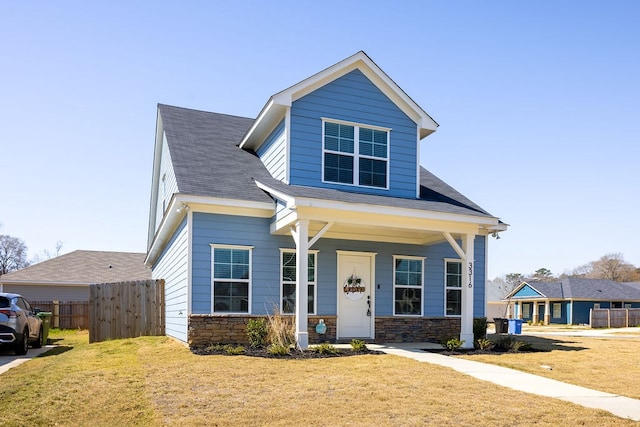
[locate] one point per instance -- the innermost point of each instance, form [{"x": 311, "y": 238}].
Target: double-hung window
[
  {"x": 453, "y": 287},
  {"x": 231, "y": 272},
  {"x": 288, "y": 281},
  {"x": 355, "y": 154},
  {"x": 407, "y": 285}
]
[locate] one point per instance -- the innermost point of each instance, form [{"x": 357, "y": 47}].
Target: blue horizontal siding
[
  {"x": 355, "y": 99},
  {"x": 172, "y": 266},
  {"x": 273, "y": 152},
  {"x": 527, "y": 292},
  {"x": 232, "y": 230}
]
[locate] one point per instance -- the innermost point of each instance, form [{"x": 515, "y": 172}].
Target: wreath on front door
[{"x": 353, "y": 287}]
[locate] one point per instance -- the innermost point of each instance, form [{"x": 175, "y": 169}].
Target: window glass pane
[
  {"x": 454, "y": 302},
  {"x": 230, "y": 297},
  {"x": 289, "y": 266},
  {"x": 338, "y": 168},
  {"x": 311, "y": 270},
  {"x": 454, "y": 268},
  {"x": 311, "y": 304},
  {"x": 373, "y": 172},
  {"x": 408, "y": 301},
  {"x": 338, "y": 137},
  {"x": 289, "y": 298}
]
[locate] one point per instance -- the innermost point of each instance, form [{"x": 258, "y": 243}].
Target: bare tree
[
  {"x": 612, "y": 267},
  {"x": 13, "y": 254}
]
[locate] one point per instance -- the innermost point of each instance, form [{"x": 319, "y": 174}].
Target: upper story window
[{"x": 355, "y": 154}]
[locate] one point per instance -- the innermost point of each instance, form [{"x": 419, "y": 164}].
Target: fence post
[{"x": 56, "y": 314}]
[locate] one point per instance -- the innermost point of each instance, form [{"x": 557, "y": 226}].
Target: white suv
[{"x": 19, "y": 323}]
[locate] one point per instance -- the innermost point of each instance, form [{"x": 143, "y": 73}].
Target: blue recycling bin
[{"x": 515, "y": 326}]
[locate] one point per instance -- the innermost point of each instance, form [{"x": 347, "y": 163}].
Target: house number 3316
[{"x": 470, "y": 275}]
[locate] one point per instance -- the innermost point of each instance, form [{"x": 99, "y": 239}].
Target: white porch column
[
  {"x": 519, "y": 316},
  {"x": 466, "y": 322},
  {"x": 547, "y": 313},
  {"x": 301, "y": 238}
]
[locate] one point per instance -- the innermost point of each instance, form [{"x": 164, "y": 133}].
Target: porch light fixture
[
  {"x": 495, "y": 235},
  {"x": 182, "y": 208}
]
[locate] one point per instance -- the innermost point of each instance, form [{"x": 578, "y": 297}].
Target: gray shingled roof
[
  {"x": 205, "y": 156},
  {"x": 588, "y": 289},
  {"x": 207, "y": 162},
  {"x": 84, "y": 267}
]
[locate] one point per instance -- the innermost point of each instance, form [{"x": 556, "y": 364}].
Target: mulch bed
[{"x": 293, "y": 354}]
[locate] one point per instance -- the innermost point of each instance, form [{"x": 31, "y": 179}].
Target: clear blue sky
[{"x": 538, "y": 105}]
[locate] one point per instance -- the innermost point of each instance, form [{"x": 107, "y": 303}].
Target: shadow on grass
[
  {"x": 541, "y": 343},
  {"x": 56, "y": 351}
]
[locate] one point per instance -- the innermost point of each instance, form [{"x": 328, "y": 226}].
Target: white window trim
[
  {"x": 459, "y": 288},
  {"x": 421, "y": 287},
  {"x": 250, "y": 280},
  {"x": 356, "y": 152},
  {"x": 314, "y": 283}
]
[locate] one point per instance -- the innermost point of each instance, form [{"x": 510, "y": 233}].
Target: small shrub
[
  {"x": 257, "y": 332},
  {"x": 215, "y": 348},
  {"x": 518, "y": 346},
  {"x": 529, "y": 322},
  {"x": 325, "y": 348},
  {"x": 512, "y": 345},
  {"x": 231, "y": 350},
  {"x": 278, "y": 350},
  {"x": 484, "y": 344},
  {"x": 480, "y": 328},
  {"x": 358, "y": 345},
  {"x": 453, "y": 344}
]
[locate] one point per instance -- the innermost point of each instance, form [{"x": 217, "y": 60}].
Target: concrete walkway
[
  {"x": 618, "y": 405},
  {"x": 8, "y": 360}
]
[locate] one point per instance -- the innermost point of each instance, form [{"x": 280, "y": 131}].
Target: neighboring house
[
  {"x": 67, "y": 277},
  {"x": 496, "y": 306},
  {"x": 319, "y": 199},
  {"x": 570, "y": 300}
]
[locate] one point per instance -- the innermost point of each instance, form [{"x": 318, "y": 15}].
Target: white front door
[{"x": 355, "y": 295}]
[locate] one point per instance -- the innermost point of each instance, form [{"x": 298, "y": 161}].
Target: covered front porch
[{"x": 374, "y": 223}]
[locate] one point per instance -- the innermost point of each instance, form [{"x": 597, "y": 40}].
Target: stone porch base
[{"x": 206, "y": 329}]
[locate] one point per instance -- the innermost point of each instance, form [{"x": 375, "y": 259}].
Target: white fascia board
[
  {"x": 204, "y": 204},
  {"x": 394, "y": 211},
  {"x": 155, "y": 180},
  {"x": 289, "y": 200}
]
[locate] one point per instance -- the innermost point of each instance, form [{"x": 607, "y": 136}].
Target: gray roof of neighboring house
[
  {"x": 208, "y": 162},
  {"x": 587, "y": 289},
  {"x": 84, "y": 267}
]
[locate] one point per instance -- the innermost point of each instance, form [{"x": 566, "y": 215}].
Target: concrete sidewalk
[
  {"x": 8, "y": 360},
  {"x": 618, "y": 405}
]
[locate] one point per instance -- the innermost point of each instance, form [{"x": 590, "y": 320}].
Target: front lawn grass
[
  {"x": 157, "y": 381},
  {"x": 606, "y": 364}
]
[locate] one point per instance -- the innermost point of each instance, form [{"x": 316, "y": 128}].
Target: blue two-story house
[{"x": 320, "y": 199}]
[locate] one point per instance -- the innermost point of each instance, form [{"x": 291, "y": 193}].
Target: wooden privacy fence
[
  {"x": 126, "y": 310},
  {"x": 614, "y": 317},
  {"x": 66, "y": 314}
]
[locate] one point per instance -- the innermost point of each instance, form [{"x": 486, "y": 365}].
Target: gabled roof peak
[{"x": 276, "y": 107}]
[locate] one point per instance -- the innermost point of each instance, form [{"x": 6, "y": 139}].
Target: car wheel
[
  {"x": 22, "y": 346},
  {"x": 38, "y": 343}
]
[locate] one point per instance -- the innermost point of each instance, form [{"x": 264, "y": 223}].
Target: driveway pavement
[{"x": 9, "y": 360}]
